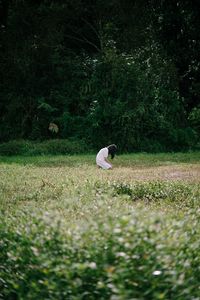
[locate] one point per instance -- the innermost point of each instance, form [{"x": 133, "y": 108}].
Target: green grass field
[{"x": 69, "y": 230}]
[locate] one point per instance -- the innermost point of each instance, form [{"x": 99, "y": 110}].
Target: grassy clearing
[
  {"x": 128, "y": 160},
  {"x": 71, "y": 231}
]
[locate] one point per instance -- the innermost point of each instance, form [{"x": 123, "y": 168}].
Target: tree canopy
[{"x": 124, "y": 72}]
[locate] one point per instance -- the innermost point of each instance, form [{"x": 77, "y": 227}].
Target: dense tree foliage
[{"x": 116, "y": 71}]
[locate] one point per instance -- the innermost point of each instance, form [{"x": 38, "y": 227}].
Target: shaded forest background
[{"x": 124, "y": 72}]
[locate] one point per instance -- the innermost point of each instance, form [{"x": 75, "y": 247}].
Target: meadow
[{"x": 69, "y": 230}]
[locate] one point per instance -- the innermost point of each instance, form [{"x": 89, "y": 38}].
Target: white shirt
[{"x": 102, "y": 154}]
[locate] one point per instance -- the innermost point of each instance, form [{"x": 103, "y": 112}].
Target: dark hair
[{"x": 112, "y": 149}]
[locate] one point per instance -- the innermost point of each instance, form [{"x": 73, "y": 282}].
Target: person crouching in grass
[{"x": 102, "y": 155}]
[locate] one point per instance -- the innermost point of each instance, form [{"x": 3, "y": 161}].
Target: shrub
[
  {"x": 18, "y": 147},
  {"x": 156, "y": 190},
  {"x": 45, "y": 147}
]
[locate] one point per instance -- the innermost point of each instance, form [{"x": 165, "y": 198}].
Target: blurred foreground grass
[{"x": 71, "y": 231}]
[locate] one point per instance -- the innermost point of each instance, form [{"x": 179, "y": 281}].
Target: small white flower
[
  {"x": 117, "y": 230},
  {"x": 120, "y": 240},
  {"x": 157, "y": 272},
  {"x": 120, "y": 254},
  {"x": 92, "y": 265}
]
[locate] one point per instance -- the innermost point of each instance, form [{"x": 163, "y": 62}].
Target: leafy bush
[
  {"x": 60, "y": 147},
  {"x": 123, "y": 189},
  {"x": 19, "y": 147},
  {"x": 46, "y": 147},
  {"x": 194, "y": 118},
  {"x": 158, "y": 190}
]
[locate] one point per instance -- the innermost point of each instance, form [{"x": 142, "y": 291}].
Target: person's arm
[{"x": 108, "y": 161}]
